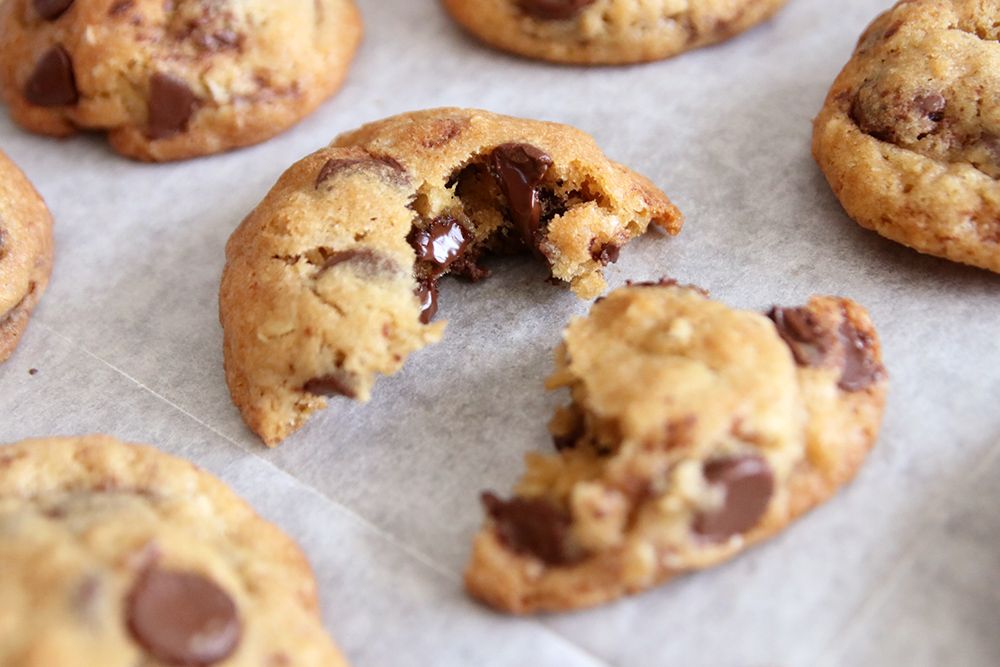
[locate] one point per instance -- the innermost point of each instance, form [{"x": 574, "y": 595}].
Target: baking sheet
[{"x": 903, "y": 567}]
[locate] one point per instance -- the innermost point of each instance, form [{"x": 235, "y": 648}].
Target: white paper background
[{"x": 902, "y": 568}]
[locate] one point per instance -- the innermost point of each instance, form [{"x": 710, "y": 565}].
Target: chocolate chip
[
  {"x": 606, "y": 254},
  {"x": 440, "y": 243},
  {"x": 364, "y": 258},
  {"x": 532, "y": 526},
  {"x": 395, "y": 171},
  {"x": 330, "y": 385},
  {"x": 518, "y": 170},
  {"x": 810, "y": 342},
  {"x": 748, "y": 485},
  {"x": 53, "y": 83},
  {"x": 861, "y": 370},
  {"x": 931, "y": 105},
  {"x": 183, "y": 618},
  {"x": 32, "y": 371},
  {"x": 427, "y": 292},
  {"x": 554, "y": 10},
  {"x": 50, "y": 10},
  {"x": 171, "y": 105}
]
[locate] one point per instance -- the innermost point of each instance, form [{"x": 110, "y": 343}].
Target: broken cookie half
[
  {"x": 332, "y": 280},
  {"x": 694, "y": 432}
]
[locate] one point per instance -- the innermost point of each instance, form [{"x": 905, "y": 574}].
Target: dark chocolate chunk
[
  {"x": 32, "y": 371},
  {"x": 810, "y": 342},
  {"x": 330, "y": 385},
  {"x": 183, "y": 618},
  {"x": 554, "y": 10},
  {"x": 427, "y": 292},
  {"x": 439, "y": 244},
  {"x": 395, "y": 171},
  {"x": 532, "y": 526},
  {"x": 50, "y": 10},
  {"x": 171, "y": 105},
  {"x": 748, "y": 485},
  {"x": 53, "y": 83},
  {"x": 519, "y": 170},
  {"x": 861, "y": 370}
]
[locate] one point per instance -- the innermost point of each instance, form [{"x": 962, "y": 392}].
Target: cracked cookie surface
[
  {"x": 119, "y": 555},
  {"x": 607, "y": 32},
  {"x": 909, "y": 136},
  {"x": 25, "y": 253},
  {"x": 694, "y": 431},
  {"x": 333, "y": 278},
  {"x": 172, "y": 80}
]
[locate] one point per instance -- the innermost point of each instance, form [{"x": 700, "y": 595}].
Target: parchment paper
[{"x": 902, "y": 568}]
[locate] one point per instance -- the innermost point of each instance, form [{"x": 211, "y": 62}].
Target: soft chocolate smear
[
  {"x": 810, "y": 342},
  {"x": 554, "y": 10},
  {"x": 53, "y": 83},
  {"x": 394, "y": 171},
  {"x": 182, "y": 618},
  {"x": 519, "y": 170},
  {"x": 748, "y": 484},
  {"x": 171, "y": 105},
  {"x": 364, "y": 258},
  {"x": 861, "y": 370},
  {"x": 440, "y": 243},
  {"x": 330, "y": 385},
  {"x": 427, "y": 292},
  {"x": 50, "y": 10},
  {"x": 532, "y": 526}
]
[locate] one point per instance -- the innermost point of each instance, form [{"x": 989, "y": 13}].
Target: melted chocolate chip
[
  {"x": 50, "y": 10},
  {"x": 427, "y": 292},
  {"x": 810, "y": 342},
  {"x": 748, "y": 485},
  {"x": 554, "y": 10},
  {"x": 396, "y": 172},
  {"x": 171, "y": 105},
  {"x": 441, "y": 243},
  {"x": 183, "y": 618},
  {"x": 53, "y": 83},
  {"x": 329, "y": 385},
  {"x": 518, "y": 170},
  {"x": 532, "y": 526},
  {"x": 861, "y": 370}
]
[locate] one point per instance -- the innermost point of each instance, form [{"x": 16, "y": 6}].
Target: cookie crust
[
  {"x": 332, "y": 279},
  {"x": 694, "y": 432},
  {"x": 607, "y": 32},
  {"x": 25, "y": 253},
  {"x": 173, "y": 80},
  {"x": 907, "y": 137},
  {"x": 85, "y": 522}
]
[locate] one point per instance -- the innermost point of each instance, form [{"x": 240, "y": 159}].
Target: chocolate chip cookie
[
  {"x": 909, "y": 137},
  {"x": 118, "y": 555},
  {"x": 333, "y": 278},
  {"x": 607, "y": 32},
  {"x": 25, "y": 253},
  {"x": 694, "y": 431},
  {"x": 172, "y": 80}
]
